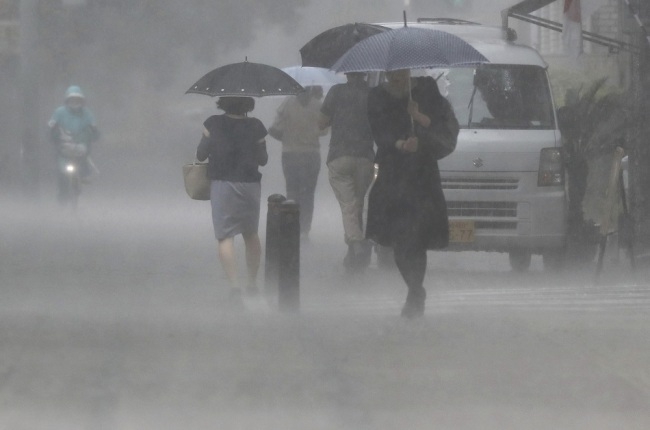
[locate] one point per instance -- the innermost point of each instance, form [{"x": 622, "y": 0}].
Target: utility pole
[
  {"x": 640, "y": 134},
  {"x": 29, "y": 76}
]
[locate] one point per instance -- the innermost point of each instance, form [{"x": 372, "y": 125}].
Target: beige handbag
[{"x": 197, "y": 183}]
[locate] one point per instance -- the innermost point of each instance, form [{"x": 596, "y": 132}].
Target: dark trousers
[
  {"x": 301, "y": 175},
  {"x": 411, "y": 261}
]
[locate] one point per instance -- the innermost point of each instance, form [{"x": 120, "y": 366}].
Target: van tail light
[{"x": 551, "y": 168}]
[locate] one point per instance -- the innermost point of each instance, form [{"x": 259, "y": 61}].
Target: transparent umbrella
[{"x": 306, "y": 76}]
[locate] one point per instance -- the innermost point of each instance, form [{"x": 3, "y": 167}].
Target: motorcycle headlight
[{"x": 70, "y": 168}]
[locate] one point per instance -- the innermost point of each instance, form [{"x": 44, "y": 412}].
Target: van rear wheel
[{"x": 520, "y": 260}]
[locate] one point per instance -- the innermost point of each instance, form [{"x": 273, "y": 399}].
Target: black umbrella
[
  {"x": 246, "y": 79},
  {"x": 408, "y": 48},
  {"x": 324, "y": 49}
]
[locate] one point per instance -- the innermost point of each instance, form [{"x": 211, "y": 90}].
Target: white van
[{"x": 504, "y": 184}]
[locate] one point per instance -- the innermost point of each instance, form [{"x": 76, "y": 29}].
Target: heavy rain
[{"x": 115, "y": 312}]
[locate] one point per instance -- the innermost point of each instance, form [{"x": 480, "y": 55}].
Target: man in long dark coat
[{"x": 407, "y": 209}]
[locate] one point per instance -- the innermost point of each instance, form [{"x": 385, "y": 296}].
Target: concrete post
[
  {"x": 272, "y": 256},
  {"x": 289, "y": 258}
]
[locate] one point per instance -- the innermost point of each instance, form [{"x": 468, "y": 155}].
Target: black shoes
[
  {"x": 358, "y": 256},
  {"x": 362, "y": 252},
  {"x": 414, "y": 305},
  {"x": 348, "y": 260}
]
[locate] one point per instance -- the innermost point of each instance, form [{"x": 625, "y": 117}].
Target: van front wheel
[
  {"x": 520, "y": 260},
  {"x": 554, "y": 260}
]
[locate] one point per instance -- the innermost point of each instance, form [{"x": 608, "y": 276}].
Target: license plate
[{"x": 461, "y": 231}]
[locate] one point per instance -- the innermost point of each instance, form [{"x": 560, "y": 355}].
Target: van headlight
[{"x": 551, "y": 168}]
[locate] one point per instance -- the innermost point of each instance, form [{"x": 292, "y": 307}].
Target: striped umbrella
[{"x": 408, "y": 48}]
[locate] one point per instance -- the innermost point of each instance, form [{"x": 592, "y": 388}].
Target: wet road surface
[{"x": 116, "y": 319}]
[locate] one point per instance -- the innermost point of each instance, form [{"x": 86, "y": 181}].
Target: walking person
[
  {"x": 350, "y": 160},
  {"x": 235, "y": 147},
  {"x": 296, "y": 126},
  {"x": 407, "y": 209}
]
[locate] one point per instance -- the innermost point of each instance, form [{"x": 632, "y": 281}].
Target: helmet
[{"x": 74, "y": 92}]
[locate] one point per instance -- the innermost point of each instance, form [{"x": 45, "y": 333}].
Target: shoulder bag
[{"x": 197, "y": 183}]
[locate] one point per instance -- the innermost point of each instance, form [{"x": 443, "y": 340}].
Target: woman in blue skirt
[{"x": 235, "y": 147}]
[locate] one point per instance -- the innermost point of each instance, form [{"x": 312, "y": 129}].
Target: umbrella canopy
[
  {"x": 306, "y": 76},
  {"x": 246, "y": 80},
  {"x": 327, "y": 47},
  {"x": 408, "y": 48}
]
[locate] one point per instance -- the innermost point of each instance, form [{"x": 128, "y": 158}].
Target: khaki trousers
[{"x": 350, "y": 178}]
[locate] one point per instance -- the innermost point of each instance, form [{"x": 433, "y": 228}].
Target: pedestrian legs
[
  {"x": 350, "y": 178},
  {"x": 301, "y": 171},
  {"x": 412, "y": 264},
  {"x": 228, "y": 261},
  {"x": 253, "y": 256}
]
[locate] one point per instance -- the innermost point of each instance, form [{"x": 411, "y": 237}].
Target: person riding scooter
[{"x": 72, "y": 131}]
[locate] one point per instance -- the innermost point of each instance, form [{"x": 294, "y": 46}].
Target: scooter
[
  {"x": 72, "y": 159},
  {"x": 73, "y": 183}
]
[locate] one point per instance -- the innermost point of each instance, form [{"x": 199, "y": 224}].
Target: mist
[
  {"x": 147, "y": 62},
  {"x": 135, "y": 60},
  {"x": 115, "y": 316}
]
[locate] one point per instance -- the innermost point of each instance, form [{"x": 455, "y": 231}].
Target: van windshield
[{"x": 499, "y": 96}]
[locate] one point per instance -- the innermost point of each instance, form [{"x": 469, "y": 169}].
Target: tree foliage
[
  {"x": 593, "y": 123},
  {"x": 149, "y": 35}
]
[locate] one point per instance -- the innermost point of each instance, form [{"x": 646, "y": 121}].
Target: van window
[{"x": 499, "y": 96}]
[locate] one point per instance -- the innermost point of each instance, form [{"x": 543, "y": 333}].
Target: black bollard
[
  {"x": 289, "y": 258},
  {"x": 272, "y": 256}
]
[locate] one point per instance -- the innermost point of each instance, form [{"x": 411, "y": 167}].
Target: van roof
[{"x": 488, "y": 40}]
